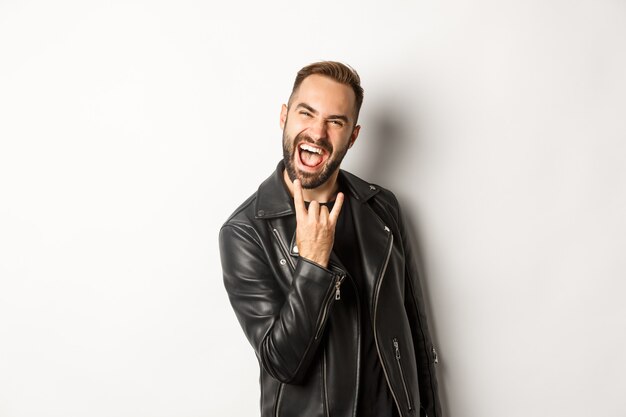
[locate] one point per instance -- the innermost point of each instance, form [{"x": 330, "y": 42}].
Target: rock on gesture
[{"x": 315, "y": 227}]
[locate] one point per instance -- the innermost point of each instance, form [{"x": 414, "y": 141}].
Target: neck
[{"x": 322, "y": 194}]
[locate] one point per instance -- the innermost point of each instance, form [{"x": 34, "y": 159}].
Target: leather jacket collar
[{"x": 273, "y": 198}]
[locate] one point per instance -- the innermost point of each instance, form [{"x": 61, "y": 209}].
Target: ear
[
  {"x": 354, "y": 135},
  {"x": 283, "y": 116}
]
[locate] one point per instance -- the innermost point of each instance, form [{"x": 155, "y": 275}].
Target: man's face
[{"x": 318, "y": 128}]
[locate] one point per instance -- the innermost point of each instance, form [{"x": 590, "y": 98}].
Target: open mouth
[{"x": 311, "y": 156}]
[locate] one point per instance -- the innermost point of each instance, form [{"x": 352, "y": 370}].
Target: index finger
[
  {"x": 298, "y": 198},
  {"x": 334, "y": 214}
]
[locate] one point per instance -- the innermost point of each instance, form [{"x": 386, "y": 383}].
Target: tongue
[{"x": 310, "y": 159}]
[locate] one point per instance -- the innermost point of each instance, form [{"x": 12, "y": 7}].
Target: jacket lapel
[
  {"x": 371, "y": 233},
  {"x": 373, "y": 238}
]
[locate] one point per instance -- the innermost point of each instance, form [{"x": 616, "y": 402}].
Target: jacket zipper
[
  {"x": 376, "y": 295},
  {"x": 279, "y": 396},
  {"x": 336, "y": 295},
  {"x": 358, "y": 349},
  {"x": 406, "y": 391},
  {"x": 326, "y": 408},
  {"x": 324, "y": 361}
]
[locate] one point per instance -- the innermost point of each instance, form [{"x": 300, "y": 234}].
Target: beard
[{"x": 309, "y": 180}]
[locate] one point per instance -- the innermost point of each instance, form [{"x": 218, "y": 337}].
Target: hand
[{"x": 315, "y": 227}]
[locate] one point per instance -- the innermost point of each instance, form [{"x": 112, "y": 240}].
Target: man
[{"x": 320, "y": 273}]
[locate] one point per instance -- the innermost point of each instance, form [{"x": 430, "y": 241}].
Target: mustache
[{"x": 320, "y": 143}]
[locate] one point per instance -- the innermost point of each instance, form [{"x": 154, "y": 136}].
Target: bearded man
[{"x": 321, "y": 275}]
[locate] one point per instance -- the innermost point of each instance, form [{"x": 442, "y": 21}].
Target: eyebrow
[{"x": 331, "y": 117}]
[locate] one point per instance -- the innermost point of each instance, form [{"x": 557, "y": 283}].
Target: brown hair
[{"x": 337, "y": 71}]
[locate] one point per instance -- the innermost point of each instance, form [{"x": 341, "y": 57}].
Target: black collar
[{"x": 273, "y": 198}]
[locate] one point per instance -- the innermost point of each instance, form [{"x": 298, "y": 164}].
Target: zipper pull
[
  {"x": 435, "y": 357},
  {"x": 395, "y": 345},
  {"x": 338, "y": 282}
]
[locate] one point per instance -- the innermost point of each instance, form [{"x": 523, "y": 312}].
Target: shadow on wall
[
  {"x": 394, "y": 139},
  {"x": 389, "y": 133}
]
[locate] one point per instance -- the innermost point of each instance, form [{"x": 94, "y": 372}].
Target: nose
[{"x": 317, "y": 129}]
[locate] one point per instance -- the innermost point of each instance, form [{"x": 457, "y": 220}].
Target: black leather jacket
[{"x": 305, "y": 335}]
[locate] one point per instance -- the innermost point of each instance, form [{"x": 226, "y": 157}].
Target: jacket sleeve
[
  {"x": 425, "y": 353},
  {"x": 284, "y": 328}
]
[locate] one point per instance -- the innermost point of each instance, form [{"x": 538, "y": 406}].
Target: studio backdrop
[{"x": 130, "y": 130}]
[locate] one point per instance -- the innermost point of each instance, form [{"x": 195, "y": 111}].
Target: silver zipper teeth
[
  {"x": 377, "y": 293},
  {"x": 327, "y": 413},
  {"x": 358, "y": 355},
  {"x": 406, "y": 391},
  {"x": 284, "y": 248},
  {"x": 279, "y": 397},
  {"x": 356, "y": 397}
]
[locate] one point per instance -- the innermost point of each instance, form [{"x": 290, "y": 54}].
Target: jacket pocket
[{"x": 407, "y": 395}]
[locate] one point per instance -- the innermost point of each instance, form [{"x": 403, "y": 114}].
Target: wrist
[{"x": 319, "y": 259}]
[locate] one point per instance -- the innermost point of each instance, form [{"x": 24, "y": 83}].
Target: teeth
[{"x": 309, "y": 148}]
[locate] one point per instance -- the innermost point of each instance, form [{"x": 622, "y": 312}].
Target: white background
[{"x": 131, "y": 129}]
